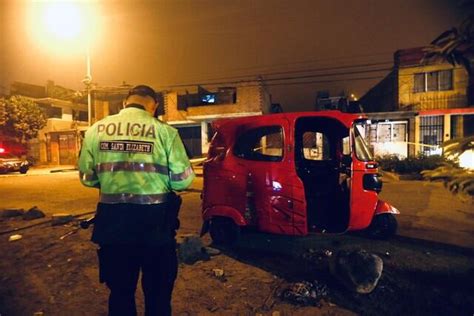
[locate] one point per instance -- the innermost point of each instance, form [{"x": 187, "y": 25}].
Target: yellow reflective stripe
[
  {"x": 183, "y": 175},
  {"x": 88, "y": 177},
  {"x": 134, "y": 198},
  {"x": 131, "y": 166}
]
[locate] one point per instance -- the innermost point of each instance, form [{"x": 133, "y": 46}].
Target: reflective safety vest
[{"x": 134, "y": 158}]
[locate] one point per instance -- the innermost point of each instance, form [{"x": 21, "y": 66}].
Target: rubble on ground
[
  {"x": 191, "y": 249},
  {"x": 219, "y": 274},
  {"x": 33, "y": 213},
  {"x": 212, "y": 251},
  {"x": 358, "y": 270},
  {"x": 15, "y": 237},
  {"x": 11, "y": 212},
  {"x": 305, "y": 293},
  {"x": 61, "y": 219}
]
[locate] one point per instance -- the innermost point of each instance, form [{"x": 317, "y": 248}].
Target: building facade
[
  {"x": 59, "y": 141},
  {"x": 418, "y": 106},
  {"x": 193, "y": 112}
]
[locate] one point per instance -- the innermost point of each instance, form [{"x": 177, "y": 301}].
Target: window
[
  {"x": 391, "y": 132},
  {"x": 264, "y": 144},
  {"x": 316, "y": 146},
  {"x": 399, "y": 132},
  {"x": 346, "y": 147},
  {"x": 433, "y": 81},
  {"x": 52, "y": 111},
  {"x": 80, "y": 115},
  {"x": 384, "y": 133},
  {"x": 446, "y": 80},
  {"x": 208, "y": 98},
  {"x": 419, "y": 82},
  {"x": 362, "y": 150}
]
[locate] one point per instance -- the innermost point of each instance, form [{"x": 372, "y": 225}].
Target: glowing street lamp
[{"x": 70, "y": 23}]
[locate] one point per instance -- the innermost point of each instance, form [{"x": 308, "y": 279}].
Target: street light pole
[{"x": 88, "y": 81}]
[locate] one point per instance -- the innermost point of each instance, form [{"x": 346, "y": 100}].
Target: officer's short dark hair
[{"x": 144, "y": 91}]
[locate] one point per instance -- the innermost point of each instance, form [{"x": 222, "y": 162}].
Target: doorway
[{"x": 318, "y": 152}]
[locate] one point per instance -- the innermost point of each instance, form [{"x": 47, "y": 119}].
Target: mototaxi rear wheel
[{"x": 223, "y": 231}]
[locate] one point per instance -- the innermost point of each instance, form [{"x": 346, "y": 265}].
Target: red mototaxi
[{"x": 292, "y": 174}]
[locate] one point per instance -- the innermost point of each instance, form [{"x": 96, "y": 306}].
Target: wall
[
  {"x": 430, "y": 100},
  {"x": 101, "y": 110},
  {"x": 383, "y": 97},
  {"x": 250, "y": 99},
  {"x": 171, "y": 108}
]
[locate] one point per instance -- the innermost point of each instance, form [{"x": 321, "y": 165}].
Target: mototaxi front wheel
[{"x": 383, "y": 226}]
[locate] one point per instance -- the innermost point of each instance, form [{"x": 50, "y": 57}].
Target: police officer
[{"x": 137, "y": 162}]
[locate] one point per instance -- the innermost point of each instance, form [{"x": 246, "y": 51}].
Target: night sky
[{"x": 173, "y": 42}]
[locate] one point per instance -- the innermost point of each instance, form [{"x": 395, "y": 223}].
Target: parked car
[
  {"x": 293, "y": 174},
  {"x": 12, "y": 163}
]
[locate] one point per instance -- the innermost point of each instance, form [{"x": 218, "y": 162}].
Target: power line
[
  {"x": 324, "y": 81},
  {"x": 281, "y": 78},
  {"x": 303, "y": 71},
  {"x": 330, "y": 74},
  {"x": 310, "y": 61}
]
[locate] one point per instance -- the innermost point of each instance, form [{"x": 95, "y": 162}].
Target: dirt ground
[
  {"x": 42, "y": 273},
  {"x": 59, "y": 277}
]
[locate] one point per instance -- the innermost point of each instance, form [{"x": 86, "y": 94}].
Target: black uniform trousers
[
  {"x": 120, "y": 266},
  {"x": 136, "y": 238}
]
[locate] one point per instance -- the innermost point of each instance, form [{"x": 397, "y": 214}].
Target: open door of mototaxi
[{"x": 363, "y": 172}]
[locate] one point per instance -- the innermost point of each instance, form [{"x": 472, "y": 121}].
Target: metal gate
[
  {"x": 191, "y": 137},
  {"x": 431, "y": 133},
  {"x": 67, "y": 149}
]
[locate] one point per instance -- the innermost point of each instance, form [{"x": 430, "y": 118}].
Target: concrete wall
[{"x": 383, "y": 97}]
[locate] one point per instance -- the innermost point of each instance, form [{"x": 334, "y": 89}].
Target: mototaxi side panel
[{"x": 256, "y": 177}]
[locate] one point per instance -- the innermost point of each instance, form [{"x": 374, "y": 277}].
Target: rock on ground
[
  {"x": 191, "y": 249},
  {"x": 61, "y": 219},
  {"x": 358, "y": 270},
  {"x": 33, "y": 213}
]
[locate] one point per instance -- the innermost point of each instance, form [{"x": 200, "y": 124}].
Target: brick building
[{"x": 192, "y": 112}]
